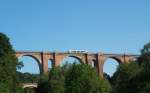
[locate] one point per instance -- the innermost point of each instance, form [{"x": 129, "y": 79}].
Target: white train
[{"x": 77, "y": 51}]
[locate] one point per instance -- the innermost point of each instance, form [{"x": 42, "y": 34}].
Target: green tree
[
  {"x": 54, "y": 83},
  {"x": 75, "y": 78},
  {"x": 134, "y": 77},
  {"x": 121, "y": 79},
  {"x": 82, "y": 78},
  {"x": 56, "y": 80},
  {"x": 8, "y": 63},
  {"x": 43, "y": 85},
  {"x": 141, "y": 82},
  {"x": 27, "y": 77}
]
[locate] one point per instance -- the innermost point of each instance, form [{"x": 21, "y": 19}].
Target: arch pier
[{"x": 97, "y": 59}]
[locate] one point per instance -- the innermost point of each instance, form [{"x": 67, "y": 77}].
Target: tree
[
  {"x": 121, "y": 79},
  {"x": 27, "y": 77},
  {"x": 8, "y": 63},
  {"x": 75, "y": 78},
  {"x": 82, "y": 78},
  {"x": 134, "y": 77},
  {"x": 43, "y": 85},
  {"x": 52, "y": 83},
  {"x": 141, "y": 81},
  {"x": 56, "y": 80}
]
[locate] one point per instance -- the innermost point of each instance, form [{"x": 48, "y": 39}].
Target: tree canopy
[
  {"x": 75, "y": 78},
  {"x": 134, "y": 77},
  {"x": 8, "y": 63}
]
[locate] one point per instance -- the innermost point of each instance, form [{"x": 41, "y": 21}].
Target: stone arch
[
  {"x": 30, "y": 86},
  {"x": 72, "y": 57},
  {"x": 115, "y": 58},
  {"x": 76, "y": 57},
  {"x": 93, "y": 63},
  {"x": 32, "y": 56},
  {"x": 114, "y": 62},
  {"x": 35, "y": 58}
]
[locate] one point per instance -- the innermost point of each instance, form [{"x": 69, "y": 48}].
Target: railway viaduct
[{"x": 98, "y": 59}]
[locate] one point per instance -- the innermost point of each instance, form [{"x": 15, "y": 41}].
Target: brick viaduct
[{"x": 86, "y": 58}]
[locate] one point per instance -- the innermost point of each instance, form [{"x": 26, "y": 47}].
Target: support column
[
  {"x": 86, "y": 59},
  {"x": 45, "y": 59},
  {"x": 58, "y": 59},
  {"x": 100, "y": 64}
]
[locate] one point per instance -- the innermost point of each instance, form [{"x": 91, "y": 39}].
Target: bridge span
[{"x": 99, "y": 59}]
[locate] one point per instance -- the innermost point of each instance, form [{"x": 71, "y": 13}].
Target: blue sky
[{"x": 111, "y": 26}]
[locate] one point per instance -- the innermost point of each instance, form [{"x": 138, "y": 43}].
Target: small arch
[
  {"x": 50, "y": 64},
  {"x": 135, "y": 59},
  {"x": 30, "y": 86},
  {"x": 93, "y": 63}
]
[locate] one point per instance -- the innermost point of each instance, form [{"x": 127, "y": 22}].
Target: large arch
[
  {"x": 35, "y": 59},
  {"x": 70, "y": 59},
  {"x": 116, "y": 59},
  {"x": 110, "y": 66}
]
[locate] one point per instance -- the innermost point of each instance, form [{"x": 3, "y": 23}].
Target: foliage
[
  {"x": 43, "y": 86},
  {"x": 135, "y": 76},
  {"x": 19, "y": 90},
  {"x": 121, "y": 79},
  {"x": 28, "y": 78},
  {"x": 141, "y": 82},
  {"x": 54, "y": 83},
  {"x": 56, "y": 80},
  {"x": 84, "y": 79},
  {"x": 8, "y": 63},
  {"x": 75, "y": 78}
]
